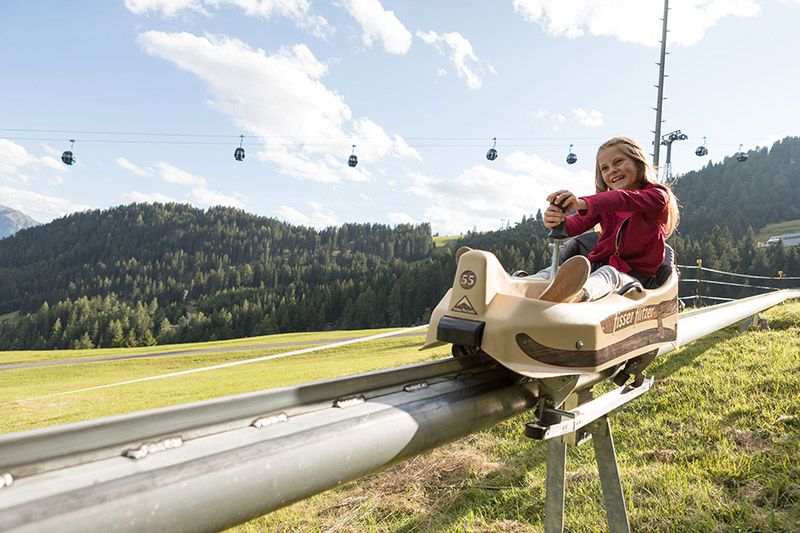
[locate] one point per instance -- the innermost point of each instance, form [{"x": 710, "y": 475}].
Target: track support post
[
  {"x": 606, "y": 458},
  {"x": 575, "y": 420}
]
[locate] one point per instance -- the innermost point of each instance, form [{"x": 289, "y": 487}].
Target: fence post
[{"x": 697, "y": 297}]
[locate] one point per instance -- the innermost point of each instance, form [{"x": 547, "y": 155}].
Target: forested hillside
[
  {"x": 146, "y": 273},
  {"x": 110, "y": 277},
  {"x": 736, "y": 195}
]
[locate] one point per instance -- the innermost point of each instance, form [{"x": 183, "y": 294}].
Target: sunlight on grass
[
  {"x": 713, "y": 447},
  {"x": 34, "y": 397}
]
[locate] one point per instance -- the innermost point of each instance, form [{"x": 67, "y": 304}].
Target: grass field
[
  {"x": 715, "y": 446},
  {"x": 782, "y": 228},
  {"x": 446, "y": 240},
  {"x": 47, "y": 395}
]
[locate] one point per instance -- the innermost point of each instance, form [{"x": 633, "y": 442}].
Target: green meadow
[
  {"x": 714, "y": 446},
  {"x": 781, "y": 228},
  {"x": 47, "y": 395}
]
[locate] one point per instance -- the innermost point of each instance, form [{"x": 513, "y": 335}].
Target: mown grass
[
  {"x": 715, "y": 446},
  {"x": 781, "y": 228},
  {"x": 446, "y": 240},
  {"x": 42, "y": 396},
  {"x": 318, "y": 337}
]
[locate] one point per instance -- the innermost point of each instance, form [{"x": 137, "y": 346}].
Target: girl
[{"x": 636, "y": 215}]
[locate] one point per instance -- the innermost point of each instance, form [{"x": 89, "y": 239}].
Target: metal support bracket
[
  {"x": 588, "y": 412},
  {"x": 587, "y": 419}
]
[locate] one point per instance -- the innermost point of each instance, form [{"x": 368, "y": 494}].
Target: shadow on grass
[{"x": 504, "y": 498}]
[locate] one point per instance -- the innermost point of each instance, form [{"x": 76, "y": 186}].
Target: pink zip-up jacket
[{"x": 634, "y": 227}]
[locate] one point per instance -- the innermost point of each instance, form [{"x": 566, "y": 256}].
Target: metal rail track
[{"x": 209, "y": 465}]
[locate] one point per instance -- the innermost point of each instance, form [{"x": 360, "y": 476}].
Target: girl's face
[{"x": 618, "y": 170}]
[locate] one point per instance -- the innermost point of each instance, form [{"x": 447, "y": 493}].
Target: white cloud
[
  {"x": 297, "y": 10},
  {"x": 204, "y": 197},
  {"x": 281, "y": 100},
  {"x": 130, "y": 167},
  {"x": 319, "y": 217},
  {"x": 400, "y": 218},
  {"x": 16, "y": 162},
  {"x": 144, "y": 197},
  {"x": 39, "y": 206},
  {"x": 632, "y": 21},
  {"x": 460, "y": 52},
  {"x": 173, "y": 174},
  {"x": 377, "y": 23},
  {"x": 591, "y": 119},
  {"x": 482, "y": 196},
  {"x": 169, "y": 8}
]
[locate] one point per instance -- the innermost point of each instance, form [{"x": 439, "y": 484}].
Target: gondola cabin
[
  {"x": 491, "y": 154},
  {"x": 67, "y": 156},
  {"x": 571, "y": 157}
]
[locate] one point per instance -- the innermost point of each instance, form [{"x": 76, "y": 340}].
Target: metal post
[
  {"x": 698, "y": 297},
  {"x": 616, "y": 514},
  {"x": 554, "y": 487},
  {"x": 556, "y": 258},
  {"x": 660, "y": 100}
]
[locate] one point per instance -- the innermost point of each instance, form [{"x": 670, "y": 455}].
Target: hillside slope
[{"x": 763, "y": 190}]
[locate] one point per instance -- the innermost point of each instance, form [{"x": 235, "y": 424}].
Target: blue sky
[{"x": 156, "y": 94}]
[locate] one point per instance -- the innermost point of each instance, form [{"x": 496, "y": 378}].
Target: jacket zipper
[{"x": 618, "y": 238}]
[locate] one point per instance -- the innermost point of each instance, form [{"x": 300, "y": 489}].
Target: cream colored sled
[{"x": 488, "y": 310}]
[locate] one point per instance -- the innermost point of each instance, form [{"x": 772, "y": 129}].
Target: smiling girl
[{"x": 636, "y": 215}]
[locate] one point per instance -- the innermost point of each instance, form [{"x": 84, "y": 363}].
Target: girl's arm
[{"x": 651, "y": 198}]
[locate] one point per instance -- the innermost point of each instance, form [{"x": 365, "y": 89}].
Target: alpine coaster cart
[{"x": 569, "y": 347}]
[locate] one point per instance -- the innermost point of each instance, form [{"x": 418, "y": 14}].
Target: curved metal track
[{"x": 209, "y": 465}]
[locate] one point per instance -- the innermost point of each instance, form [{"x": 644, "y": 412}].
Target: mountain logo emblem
[{"x": 463, "y": 306}]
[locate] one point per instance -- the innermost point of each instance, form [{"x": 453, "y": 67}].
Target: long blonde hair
[{"x": 647, "y": 174}]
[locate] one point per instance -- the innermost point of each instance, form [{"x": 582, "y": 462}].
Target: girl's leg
[
  {"x": 542, "y": 274},
  {"x": 604, "y": 280}
]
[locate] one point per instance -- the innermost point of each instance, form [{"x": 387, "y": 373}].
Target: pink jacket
[{"x": 634, "y": 227}]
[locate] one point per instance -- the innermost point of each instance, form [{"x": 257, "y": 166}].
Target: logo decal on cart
[
  {"x": 467, "y": 279},
  {"x": 463, "y": 306}
]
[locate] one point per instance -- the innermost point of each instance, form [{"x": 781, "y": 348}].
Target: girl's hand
[
  {"x": 553, "y": 216},
  {"x": 567, "y": 201}
]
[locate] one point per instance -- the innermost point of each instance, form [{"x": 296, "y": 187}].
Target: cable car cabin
[
  {"x": 67, "y": 157},
  {"x": 701, "y": 151},
  {"x": 741, "y": 157},
  {"x": 238, "y": 154},
  {"x": 572, "y": 159},
  {"x": 353, "y": 161},
  {"x": 491, "y": 155}
]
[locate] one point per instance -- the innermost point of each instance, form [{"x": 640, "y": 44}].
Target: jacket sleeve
[
  {"x": 650, "y": 198},
  {"x": 577, "y": 224}
]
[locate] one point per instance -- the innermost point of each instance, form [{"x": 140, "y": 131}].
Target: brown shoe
[{"x": 569, "y": 280}]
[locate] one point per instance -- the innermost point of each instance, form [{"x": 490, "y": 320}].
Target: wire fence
[{"x": 704, "y": 288}]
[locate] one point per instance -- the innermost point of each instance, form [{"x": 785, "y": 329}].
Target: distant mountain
[{"x": 11, "y": 221}]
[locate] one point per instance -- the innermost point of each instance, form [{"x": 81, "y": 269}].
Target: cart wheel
[{"x": 459, "y": 350}]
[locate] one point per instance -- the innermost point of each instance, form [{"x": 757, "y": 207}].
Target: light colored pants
[
  {"x": 604, "y": 280},
  {"x": 601, "y": 282}
]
